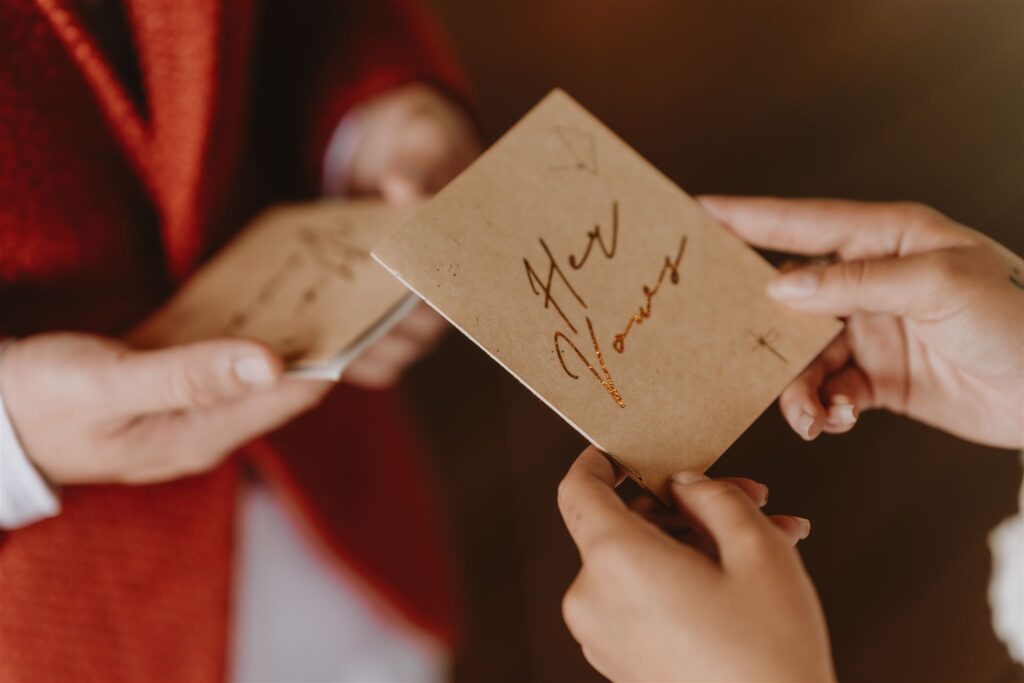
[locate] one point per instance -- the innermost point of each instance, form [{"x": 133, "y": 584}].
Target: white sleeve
[
  {"x": 1006, "y": 588},
  {"x": 25, "y": 495}
]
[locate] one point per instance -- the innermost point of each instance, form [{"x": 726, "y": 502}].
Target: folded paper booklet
[
  {"x": 299, "y": 278},
  {"x": 607, "y": 291}
]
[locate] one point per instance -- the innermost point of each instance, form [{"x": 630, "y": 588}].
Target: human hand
[
  {"x": 934, "y": 315},
  {"x": 89, "y": 409},
  {"x": 647, "y": 607},
  {"x": 412, "y": 142}
]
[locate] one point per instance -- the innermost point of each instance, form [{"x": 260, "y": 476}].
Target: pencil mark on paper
[
  {"x": 332, "y": 249},
  {"x": 766, "y": 342},
  {"x": 579, "y": 148},
  {"x": 318, "y": 256}
]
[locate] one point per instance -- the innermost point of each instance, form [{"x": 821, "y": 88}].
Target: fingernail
[
  {"x": 687, "y": 477},
  {"x": 805, "y": 526},
  {"x": 842, "y": 414},
  {"x": 764, "y": 495},
  {"x": 254, "y": 371},
  {"x": 799, "y": 284},
  {"x": 804, "y": 425}
]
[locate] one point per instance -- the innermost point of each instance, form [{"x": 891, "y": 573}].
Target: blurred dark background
[{"x": 869, "y": 100}]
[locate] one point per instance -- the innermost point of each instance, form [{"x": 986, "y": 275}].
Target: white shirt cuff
[
  {"x": 25, "y": 495},
  {"x": 1006, "y": 588}
]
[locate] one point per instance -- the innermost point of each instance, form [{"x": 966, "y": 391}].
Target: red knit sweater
[{"x": 106, "y": 202}]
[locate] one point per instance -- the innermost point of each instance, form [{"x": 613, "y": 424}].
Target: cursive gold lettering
[
  {"x": 670, "y": 268},
  {"x": 594, "y": 236},
  {"x": 546, "y": 287},
  {"x": 605, "y": 377}
]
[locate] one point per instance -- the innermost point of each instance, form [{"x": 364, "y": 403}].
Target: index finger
[
  {"x": 727, "y": 515},
  {"x": 587, "y": 500},
  {"x": 854, "y": 230}
]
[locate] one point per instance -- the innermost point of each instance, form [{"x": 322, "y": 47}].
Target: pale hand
[
  {"x": 648, "y": 607},
  {"x": 412, "y": 142},
  {"x": 934, "y": 315},
  {"x": 89, "y": 409}
]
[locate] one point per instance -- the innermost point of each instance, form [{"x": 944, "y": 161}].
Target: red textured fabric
[{"x": 104, "y": 206}]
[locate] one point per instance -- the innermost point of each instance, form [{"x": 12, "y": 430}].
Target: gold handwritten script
[
  {"x": 670, "y": 268},
  {"x": 594, "y": 237},
  {"x": 548, "y": 285},
  {"x": 605, "y": 378},
  {"x": 607, "y": 245}
]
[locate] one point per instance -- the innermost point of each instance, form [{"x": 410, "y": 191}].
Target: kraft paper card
[
  {"x": 299, "y": 278},
  {"x": 607, "y": 291}
]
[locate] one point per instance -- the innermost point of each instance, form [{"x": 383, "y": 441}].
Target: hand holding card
[
  {"x": 300, "y": 279},
  {"x": 607, "y": 291}
]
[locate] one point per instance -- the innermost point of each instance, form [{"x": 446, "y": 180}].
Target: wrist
[{"x": 26, "y": 496}]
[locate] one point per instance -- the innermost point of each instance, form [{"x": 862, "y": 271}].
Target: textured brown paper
[
  {"x": 608, "y": 292},
  {"x": 299, "y": 278}
]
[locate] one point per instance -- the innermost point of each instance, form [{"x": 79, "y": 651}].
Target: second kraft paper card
[{"x": 608, "y": 291}]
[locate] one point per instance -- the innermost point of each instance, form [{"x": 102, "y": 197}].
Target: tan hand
[
  {"x": 647, "y": 607},
  {"x": 89, "y": 409},
  {"x": 413, "y": 142},
  {"x": 934, "y": 315}
]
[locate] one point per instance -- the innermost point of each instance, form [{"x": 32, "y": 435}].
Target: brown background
[{"x": 879, "y": 100}]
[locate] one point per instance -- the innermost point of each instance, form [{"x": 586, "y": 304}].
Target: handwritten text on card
[{"x": 606, "y": 244}]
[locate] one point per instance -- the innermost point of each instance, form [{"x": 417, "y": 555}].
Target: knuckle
[
  {"x": 757, "y": 543},
  {"x": 188, "y": 386},
  {"x": 719, "y": 492},
  {"x": 946, "y": 265},
  {"x": 571, "y": 607},
  {"x": 853, "y": 274},
  {"x": 926, "y": 220},
  {"x": 915, "y": 213},
  {"x": 929, "y": 220},
  {"x": 189, "y": 468},
  {"x": 197, "y": 461},
  {"x": 564, "y": 494},
  {"x": 947, "y": 284}
]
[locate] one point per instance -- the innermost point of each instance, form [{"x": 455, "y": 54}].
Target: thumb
[
  {"x": 197, "y": 375},
  {"x": 910, "y": 286}
]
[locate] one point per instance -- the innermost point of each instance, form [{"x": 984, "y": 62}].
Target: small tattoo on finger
[{"x": 1017, "y": 278}]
